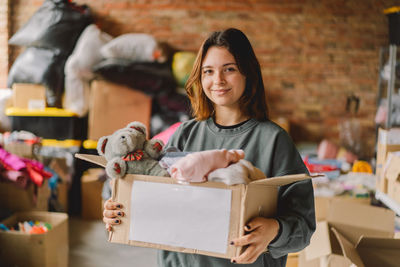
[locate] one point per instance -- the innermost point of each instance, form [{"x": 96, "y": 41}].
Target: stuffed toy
[{"x": 128, "y": 151}]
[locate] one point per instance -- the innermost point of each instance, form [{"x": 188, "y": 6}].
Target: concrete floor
[{"x": 89, "y": 248}]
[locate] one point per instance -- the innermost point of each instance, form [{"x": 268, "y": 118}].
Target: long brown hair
[{"x": 252, "y": 102}]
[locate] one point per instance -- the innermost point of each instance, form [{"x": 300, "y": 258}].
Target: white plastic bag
[
  {"x": 137, "y": 47},
  {"x": 78, "y": 69}
]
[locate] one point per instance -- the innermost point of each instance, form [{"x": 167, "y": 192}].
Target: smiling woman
[{"x": 226, "y": 91}]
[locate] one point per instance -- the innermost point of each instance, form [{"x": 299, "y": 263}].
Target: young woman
[{"x": 226, "y": 91}]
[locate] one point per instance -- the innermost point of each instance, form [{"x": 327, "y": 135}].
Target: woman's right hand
[{"x": 112, "y": 213}]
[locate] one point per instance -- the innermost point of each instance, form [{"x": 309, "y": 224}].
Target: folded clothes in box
[{"x": 49, "y": 123}]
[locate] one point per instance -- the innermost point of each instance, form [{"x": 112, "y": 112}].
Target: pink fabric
[
  {"x": 196, "y": 166},
  {"x": 327, "y": 150},
  {"x": 165, "y": 135}
]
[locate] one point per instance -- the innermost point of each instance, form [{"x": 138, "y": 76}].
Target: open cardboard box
[
  {"x": 35, "y": 250},
  {"x": 354, "y": 234},
  {"x": 210, "y": 216}
]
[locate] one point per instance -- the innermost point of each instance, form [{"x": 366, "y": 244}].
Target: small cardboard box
[
  {"x": 113, "y": 106},
  {"x": 32, "y": 198},
  {"x": 388, "y": 141},
  {"x": 35, "y": 250},
  {"x": 392, "y": 174},
  {"x": 353, "y": 234},
  {"x": 193, "y": 218},
  {"x": 29, "y": 96},
  {"x": 323, "y": 204},
  {"x": 91, "y": 186}
]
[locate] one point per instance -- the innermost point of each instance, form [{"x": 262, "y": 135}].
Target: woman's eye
[
  {"x": 207, "y": 71},
  {"x": 230, "y": 69}
]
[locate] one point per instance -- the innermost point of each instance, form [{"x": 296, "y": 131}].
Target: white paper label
[{"x": 180, "y": 215}]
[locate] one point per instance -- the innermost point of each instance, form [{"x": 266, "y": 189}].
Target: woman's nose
[{"x": 219, "y": 78}]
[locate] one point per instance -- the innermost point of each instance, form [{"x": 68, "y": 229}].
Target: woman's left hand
[{"x": 260, "y": 232}]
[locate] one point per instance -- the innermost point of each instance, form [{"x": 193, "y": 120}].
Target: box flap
[
  {"x": 99, "y": 160},
  {"x": 353, "y": 220},
  {"x": 320, "y": 244},
  {"x": 393, "y": 166},
  {"x": 348, "y": 249},
  {"x": 379, "y": 251},
  {"x": 284, "y": 180}
]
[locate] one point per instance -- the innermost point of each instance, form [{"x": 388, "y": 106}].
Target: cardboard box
[
  {"x": 29, "y": 96},
  {"x": 388, "y": 141},
  {"x": 210, "y": 215},
  {"x": 32, "y": 198},
  {"x": 35, "y": 250},
  {"x": 24, "y": 150},
  {"x": 92, "y": 208},
  {"x": 392, "y": 174},
  {"x": 113, "y": 106},
  {"x": 292, "y": 260},
  {"x": 323, "y": 204},
  {"x": 353, "y": 234}
]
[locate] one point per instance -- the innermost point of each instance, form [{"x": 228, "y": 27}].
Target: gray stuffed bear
[{"x": 128, "y": 151}]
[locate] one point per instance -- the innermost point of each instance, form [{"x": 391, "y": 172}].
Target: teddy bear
[{"x": 128, "y": 151}]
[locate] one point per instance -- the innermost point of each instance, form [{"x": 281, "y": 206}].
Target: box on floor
[
  {"x": 353, "y": 234},
  {"x": 113, "y": 106},
  {"x": 388, "y": 141},
  {"x": 14, "y": 198},
  {"x": 35, "y": 250},
  {"x": 91, "y": 186},
  {"x": 60, "y": 166},
  {"x": 211, "y": 214}
]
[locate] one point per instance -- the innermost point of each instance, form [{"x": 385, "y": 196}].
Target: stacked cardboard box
[
  {"x": 388, "y": 141},
  {"x": 113, "y": 106},
  {"x": 392, "y": 175},
  {"x": 353, "y": 234}
]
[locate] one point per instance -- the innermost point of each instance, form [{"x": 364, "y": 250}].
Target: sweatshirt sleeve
[{"x": 295, "y": 212}]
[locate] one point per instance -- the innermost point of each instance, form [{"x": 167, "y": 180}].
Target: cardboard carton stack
[
  {"x": 353, "y": 234},
  {"x": 112, "y": 106},
  {"x": 392, "y": 176},
  {"x": 388, "y": 141}
]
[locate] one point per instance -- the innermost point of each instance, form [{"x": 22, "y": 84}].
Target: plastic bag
[
  {"x": 138, "y": 47},
  {"x": 40, "y": 66},
  {"x": 78, "y": 69},
  {"x": 55, "y": 25},
  {"x": 151, "y": 78}
]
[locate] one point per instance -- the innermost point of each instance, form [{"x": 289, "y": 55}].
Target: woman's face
[{"x": 221, "y": 79}]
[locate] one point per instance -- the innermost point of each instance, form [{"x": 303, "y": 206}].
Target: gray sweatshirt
[{"x": 270, "y": 149}]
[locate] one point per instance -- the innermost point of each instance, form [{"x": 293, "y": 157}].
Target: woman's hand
[
  {"x": 112, "y": 213},
  {"x": 260, "y": 232}
]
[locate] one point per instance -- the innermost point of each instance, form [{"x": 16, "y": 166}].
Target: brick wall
[{"x": 314, "y": 53}]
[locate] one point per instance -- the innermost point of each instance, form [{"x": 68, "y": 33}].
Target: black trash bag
[
  {"x": 57, "y": 24},
  {"x": 150, "y": 77},
  {"x": 40, "y": 66}
]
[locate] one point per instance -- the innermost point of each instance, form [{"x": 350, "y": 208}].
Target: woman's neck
[{"x": 228, "y": 117}]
